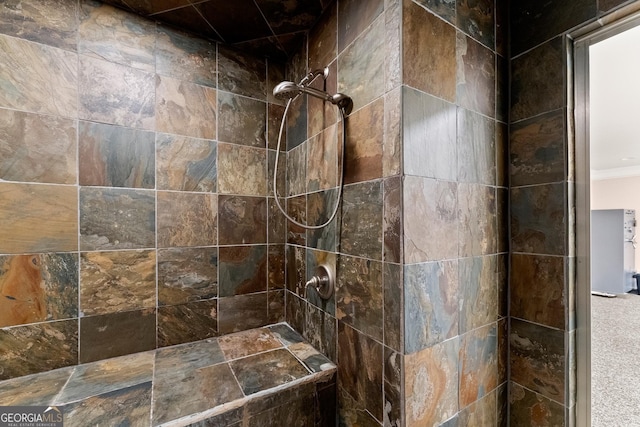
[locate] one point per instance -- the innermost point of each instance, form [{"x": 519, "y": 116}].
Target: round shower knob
[{"x": 323, "y": 281}]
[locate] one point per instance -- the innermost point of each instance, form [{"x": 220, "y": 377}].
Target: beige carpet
[{"x": 615, "y": 361}]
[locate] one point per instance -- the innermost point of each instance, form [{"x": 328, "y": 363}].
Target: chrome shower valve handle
[{"x": 323, "y": 281}]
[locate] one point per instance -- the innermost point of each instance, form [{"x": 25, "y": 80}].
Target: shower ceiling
[{"x": 273, "y": 28}]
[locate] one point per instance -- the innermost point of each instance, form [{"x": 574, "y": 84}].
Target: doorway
[{"x": 589, "y": 155}]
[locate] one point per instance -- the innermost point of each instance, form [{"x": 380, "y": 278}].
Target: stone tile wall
[
  {"x": 419, "y": 244},
  {"x": 455, "y": 259},
  {"x": 541, "y": 169},
  {"x": 360, "y": 325},
  {"x": 134, "y": 206}
]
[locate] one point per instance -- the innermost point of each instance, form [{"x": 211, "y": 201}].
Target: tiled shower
[{"x": 136, "y": 208}]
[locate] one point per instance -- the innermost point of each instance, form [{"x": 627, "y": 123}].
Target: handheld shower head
[{"x": 285, "y": 90}]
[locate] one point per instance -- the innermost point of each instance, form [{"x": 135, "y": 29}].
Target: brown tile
[
  {"x": 33, "y": 70},
  {"x": 363, "y": 161},
  {"x": 113, "y": 156},
  {"x": 112, "y": 282},
  {"x": 116, "y": 94},
  {"x": 323, "y": 39},
  {"x": 393, "y": 390},
  {"x": 502, "y": 89},
  {"x": 394, "y": 331},
  {"x": 277, "y": 267},
  {"x": 117, "y": 334},
  {"x": 540, "y": 21},
  {"x": 478, "y": 365},
  {"x": 106, "y": 376},
  {"x": 359, "y": 295},
  {"x": 241, "y": 73},
  {"x": 355, "y": 17},
  {"x": 537, "y": 79},
  {"x": 297, "y": 209},
  {"x": 476, "y": 87},
  {"x": 393, "y": 47},
  {"x": 172, "y": 13},
  {"x": 432, "y": 298},
  {"x": 275, "y": 115},
  {"x": 478, "y": 292},
  {"x": 537, "y": 359},
  {"x": 52, "y": 22},
  {"x": 297, "y": 169},
  {"x": 352, "y": 411},
  {"x": 277, "y": 229},
  {"x": 187, "y": 219},
  {"x": 481, "y": 413},
  {"x": 321, "y": 206},
  {"x": 276, "y": 308},
  {"x": 242, "y": 270},
  {"x": 527, "y": 407},
  {"x": 607, "y": 5},
  {"x": 477, "y": 220},
  {"x": 242, "y": 312},
  {"x": 446, "y": 9},
  {"x": 114, "y": 218},
  {"x": 242, "y": 219},
  {"x": 194, "y": 355},
  {"x": 187, "y": 274},
  {"x": 38, "y": 287},
  {"x": 433, "y": 203},
  {"x": 476, "y": 148},
  {"x": 311, "y": 358},
  {"x": 538, "y": 219},
  {"x": 125, "y": 406},
  {"x": 296, "y": 269},
  {"x": 537, "y": 289},
  {"x": 295, "y": 311},
  {"x": 117, "y": 36},
  {"x": 250, "y": 161},
  {"x": 431, "y": 384},
  {"x": 186, "y": 164},
  {"x": 185, "y": 57},
  {"x": 392, "y": 143},
  {"x": 392, "y": 220},
  {"x": 267, "y": 370},
  {"x": 31, "y": 390},
  {"x": 188, "y": 322},
  {"x": 185, "y": 108},
  {"x": 361, "y": 64},
  {"x": 320, "y": 330},
  {"x": 360, "y": 368},
  {"x": 502, "y": 155},
  {"x": 242, "y": 120},
  {"x": 361, "y": 220},
  {"x": 248, "y": 343},
  {"x": 41, "y": 347},
  {"x": 322, "y": 159},
  {"x": 38, "y": 218},
  {"x": 431, "y": 45},
  {"x": 193, "y": 391},
  {"x": 36, "y": 148},
  {"x": 476, "y": 18},
  {"x": 537, "y": 149}
]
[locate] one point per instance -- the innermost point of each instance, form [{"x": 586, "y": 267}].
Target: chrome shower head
[
  {"x": 289, "y": 90},
  {"x": 285, "y": 90}
]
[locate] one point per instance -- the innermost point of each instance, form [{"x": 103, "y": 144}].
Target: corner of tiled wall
[
  {"x": 360, "y": 325},
  {"x": 135, "y": 211},
  {"x": 454, "y": 201}
]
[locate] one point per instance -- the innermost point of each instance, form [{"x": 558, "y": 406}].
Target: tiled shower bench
[{"x": 261, "y": 377}]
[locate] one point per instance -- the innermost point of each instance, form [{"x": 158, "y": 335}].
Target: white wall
[{"x": 618, "y": 193}]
